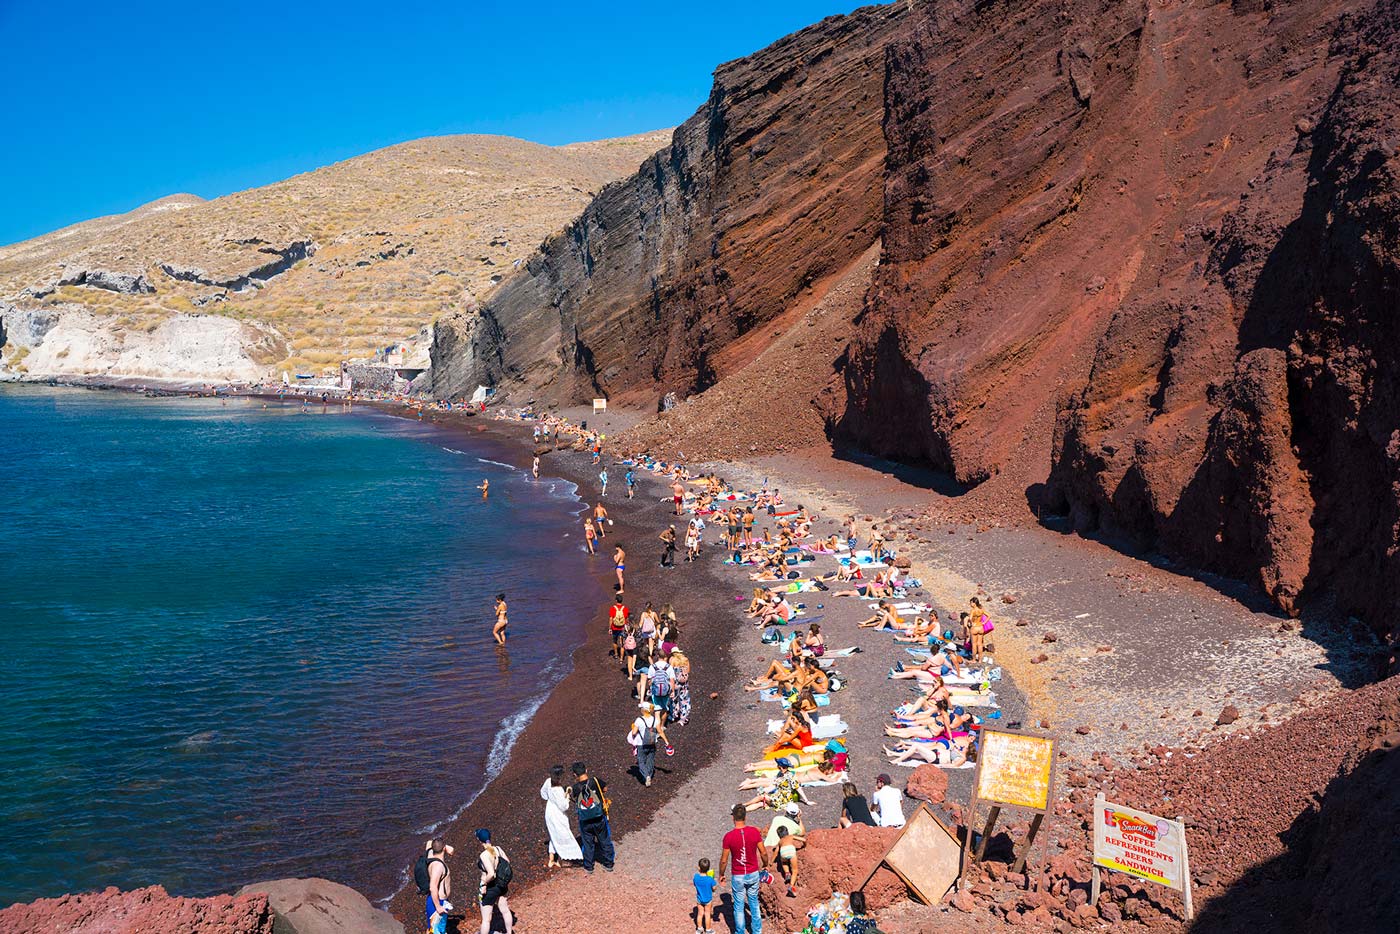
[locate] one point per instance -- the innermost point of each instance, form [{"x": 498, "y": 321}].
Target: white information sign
[{"x": 1139, "y": 844}]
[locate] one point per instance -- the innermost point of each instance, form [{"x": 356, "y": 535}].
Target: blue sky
[{"x": 110, "y": 105}]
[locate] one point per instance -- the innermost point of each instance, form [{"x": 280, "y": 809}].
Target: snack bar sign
[{"x": 1139, "y": 844}]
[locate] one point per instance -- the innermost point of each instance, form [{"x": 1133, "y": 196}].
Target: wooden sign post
[
  {"x": 925, "y": 856},
  {"x": 1013, "y": 770},
  {"x": 1142, "y": 845}
]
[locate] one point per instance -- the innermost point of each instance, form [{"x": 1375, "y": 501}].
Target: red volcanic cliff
[{"x": 1136, "y": 267}]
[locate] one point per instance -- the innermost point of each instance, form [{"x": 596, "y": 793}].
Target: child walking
[{"x": 704, "y": 894}]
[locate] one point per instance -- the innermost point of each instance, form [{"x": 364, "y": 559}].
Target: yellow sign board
[{"x": 1014, "y": 769}]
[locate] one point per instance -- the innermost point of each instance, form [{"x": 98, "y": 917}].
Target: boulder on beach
[
  {"x": 150, "y": 910},
  {"x": 319, "y": 906},
  {"x": 927, "y": 783},
  {"x": 835, "y": 861}
]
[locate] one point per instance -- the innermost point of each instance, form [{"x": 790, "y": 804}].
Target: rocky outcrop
[
  {"x": 774, "y": 183},
  {"x": 317, "y": 906},
  {"x": 1137, "y": 270},
  {"x": 142, "y": 911},
  {"x": 72, "y": 342},
  {"x": 127, "y": 283},
  {"x": 280, "y": 259},
  {"x": 1249, "y": 422}
]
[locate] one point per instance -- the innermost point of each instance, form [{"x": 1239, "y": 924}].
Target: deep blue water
[{"x": 240, "y": 642}]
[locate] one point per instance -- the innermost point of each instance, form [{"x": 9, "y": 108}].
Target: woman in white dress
[{"x": 562, "y": 844}]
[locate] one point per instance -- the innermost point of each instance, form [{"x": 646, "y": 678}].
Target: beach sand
[{"x": 1228, "y": 650}]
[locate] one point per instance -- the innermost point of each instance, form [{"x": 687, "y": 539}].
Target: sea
[{"x": 245, "y": 639}]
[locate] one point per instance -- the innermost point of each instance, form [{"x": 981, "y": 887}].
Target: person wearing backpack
[
  {"x": 496, "y": 874},
  {"x": 661, "y": 687},
  {"x": 591, "y": 803},
  {"x": 645, "y": 732},
  {"x": 434, "y": 881}
]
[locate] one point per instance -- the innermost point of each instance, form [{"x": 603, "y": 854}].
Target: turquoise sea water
[{"x": 243, "y": 643}]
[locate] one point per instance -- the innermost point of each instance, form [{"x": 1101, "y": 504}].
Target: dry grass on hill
[{"x": 400, "y": 235}]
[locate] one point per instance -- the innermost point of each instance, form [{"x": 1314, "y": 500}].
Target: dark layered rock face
[
  {"x": 1138, "y": 268},
  {"x": 772, "y": 184}
]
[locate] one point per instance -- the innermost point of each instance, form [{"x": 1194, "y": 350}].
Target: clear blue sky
[{"x": 110, "y": 105}]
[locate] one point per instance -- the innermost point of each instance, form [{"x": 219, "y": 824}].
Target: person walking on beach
[
  {"x": 600, "y": 515},
  {"x": 591, "y": 804},
  {"x": 617, "y": 626},
  {"x": 744, "y": 844},
  {"x": 704, "y": 882},
  {"x": 668, "y": 541},
  {"x": 498, "y": 632},
  {"x": 590, "y": 535},
  {"x": 631, "y": 479},
  {"x": 439, "y": 885},
  {"x": 603, "y": 480},
  {"x": 646, "y": 730},
  {"x": 678, "y": 494},
  {"x": 562, "y": 845},
  {"x": 620, "y": 565},
  {"x": 495, "y": 883}
]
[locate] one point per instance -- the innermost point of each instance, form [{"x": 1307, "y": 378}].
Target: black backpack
[
  {"x": 503, "y": 871},
  {"x": 421, "y": 877}
]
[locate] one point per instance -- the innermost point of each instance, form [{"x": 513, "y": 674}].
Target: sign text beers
[{"x": 1139, "y": 844}]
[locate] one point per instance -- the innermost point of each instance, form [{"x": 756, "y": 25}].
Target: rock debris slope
[{"x": 1137, "y": 268}]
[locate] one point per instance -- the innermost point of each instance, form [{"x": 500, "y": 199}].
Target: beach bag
[
  {"x": 771, "y": 636},
  {"x": 421, "y": 877},
  {"x": 503, "y": 871},
  {"x": 987, "y": 624}
]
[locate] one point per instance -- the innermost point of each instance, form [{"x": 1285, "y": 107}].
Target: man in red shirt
[
  {"x": 745, "y": 845},
  {"x": 617, "y": 625}
]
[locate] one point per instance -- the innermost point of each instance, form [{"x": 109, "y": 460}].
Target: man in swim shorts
[
  {"x": 439, "y": 888},
  {"x": 678, "y": 495}
]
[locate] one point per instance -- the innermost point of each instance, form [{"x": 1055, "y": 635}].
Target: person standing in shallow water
[
  {"x": 485, "y": 488},
  {"x": 498, "y": 632}
]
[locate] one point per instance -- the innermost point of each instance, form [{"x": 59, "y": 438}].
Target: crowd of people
[{"x": 759, "y": 534}]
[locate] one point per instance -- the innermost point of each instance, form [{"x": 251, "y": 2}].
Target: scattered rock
[
  {"x": 1228, "y": 715},
  {"x": 1049, "y": 637},
  {"x": 927, "y": 783},
  {"x": 1042, "y": 657},
  {"x": 318, "y": 906}
]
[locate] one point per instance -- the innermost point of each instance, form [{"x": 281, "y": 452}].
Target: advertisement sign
[{"x": 1142, "y": 845}]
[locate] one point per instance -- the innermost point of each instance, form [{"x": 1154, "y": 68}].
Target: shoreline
[{"x": 586, "y": 713}]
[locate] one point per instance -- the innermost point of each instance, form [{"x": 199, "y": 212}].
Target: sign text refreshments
[{"x": 1139, "y": 844}]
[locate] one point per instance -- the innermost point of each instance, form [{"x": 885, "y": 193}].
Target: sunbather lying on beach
[
  {"x": 952, "y": 752},
  {"x": 778, "y": 675},
  {"x": 832, "y": 768},
  {"x": 783, "y": 790}
]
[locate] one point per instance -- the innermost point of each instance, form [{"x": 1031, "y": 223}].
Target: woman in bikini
[
  {"x": 815, "y": 642},
  {"x": 498, "y": 632},
  {"x": 979, "y": 624},
  {"x": 795, "y": 734},
  {"x": 590, "y": 535}
]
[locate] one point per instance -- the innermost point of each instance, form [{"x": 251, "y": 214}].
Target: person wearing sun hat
[{"x": 645, "y": 731}]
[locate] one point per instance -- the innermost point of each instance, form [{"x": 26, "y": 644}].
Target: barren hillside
[{"x": 330, "y": 264}]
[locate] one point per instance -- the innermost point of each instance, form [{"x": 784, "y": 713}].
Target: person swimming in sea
[
  {"x": 498, "y": 632},
  {"x": 485, "y": 488}
]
